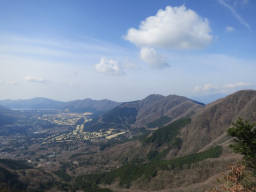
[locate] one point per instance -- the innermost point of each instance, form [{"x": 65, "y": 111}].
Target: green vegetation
[
  {"x": 15, "y": 164},
  {"x": 159, "y": 122},
  {"x": 118, "y": 118},
  {"x": 6, "y": 120},
  {"x": 10, "y": 182},
  {"x": 61, "y": 173},
  {"x": 89, "y": 183},
  {"x": 76, "y": 155},
  {"x": 242, "y": 176},
  {"x": 135, "y": 170},
  {"x": 244, "y": 134},
  {"x": 121, "y": 115},
  {"x": 155, "y": 155},
  {"x": 167, "y": 134}
]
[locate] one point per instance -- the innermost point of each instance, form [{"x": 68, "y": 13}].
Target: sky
[{"x": 126, "y": 50}]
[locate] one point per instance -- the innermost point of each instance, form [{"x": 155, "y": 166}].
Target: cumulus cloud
[
  {"x": 230, "y": 29},
  {"x": 109, "y": 66},
  {"x": 34, "y": 79},
  {"x": 224, "y": 88},
  {"x": 174, "y": 28},
  {"x": 151, "y": 57}
]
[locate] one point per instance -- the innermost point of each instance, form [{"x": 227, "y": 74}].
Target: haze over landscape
[{"x": 127, "y": 96}]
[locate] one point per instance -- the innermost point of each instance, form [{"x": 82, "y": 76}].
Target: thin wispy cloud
[
  {"x": 34, "y": 79},
  {"x": 230, "y": 29},
  {"x": 58, "y": 48},
  {"x": 235, "y": 14},
  {"x": 211, "y": 88},
  {"x": 14, "y": 83}
]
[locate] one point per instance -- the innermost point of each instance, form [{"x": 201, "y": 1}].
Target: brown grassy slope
[
  {"x": 212, "y": 122},
  {"x": 140, "y": 113},
  {"x": 155, "y": 106}
]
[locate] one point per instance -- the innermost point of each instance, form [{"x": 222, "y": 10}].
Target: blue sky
[{"x": 126, "y": 50}]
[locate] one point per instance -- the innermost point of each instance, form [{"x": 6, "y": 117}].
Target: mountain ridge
[
  {"x": 139, "y": 113},
  {"x": 41, "y": 103},
  {"x": 215, "y": 118}
]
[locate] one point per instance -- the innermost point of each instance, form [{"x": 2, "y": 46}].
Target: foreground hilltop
[{"x": 209, "y": 126}]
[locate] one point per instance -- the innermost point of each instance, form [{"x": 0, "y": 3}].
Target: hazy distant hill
[
  {"x": 153, "y": 111},
  {"x": 86, "y": 105},
  {"x": 90, "y": 105},
  {"x": 35, "y": 103}
]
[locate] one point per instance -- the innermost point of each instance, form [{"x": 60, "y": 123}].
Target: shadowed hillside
[
  {"x": 153, "y": 111},
  {"x": 90, "y": 105},
  {"x": 8, "y": 116}
]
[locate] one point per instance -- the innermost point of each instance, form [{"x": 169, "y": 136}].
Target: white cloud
[
  {"x": 239, "y": 2},
  {"x": 174, "y": 27},
  {"x": 151, "y": 57},
  {"x": 221, "y": 89},
  {"x": 109, "y": 66},
  {"x": 234, "y": 13},
  {"x": 77, "y": 51},
  {"x": 205, "y": 87},
  {"x": 34, "y": 79},
  {"x": 230, "y": 29},
  {"x": 236, "y": 85}
]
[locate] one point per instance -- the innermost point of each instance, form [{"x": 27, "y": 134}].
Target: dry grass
[{"x": 238, "y": 179}]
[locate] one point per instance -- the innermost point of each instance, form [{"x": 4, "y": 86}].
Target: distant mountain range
[
  {"x": 86, "y": 105},
  {"x": 35, "y": 103}
]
